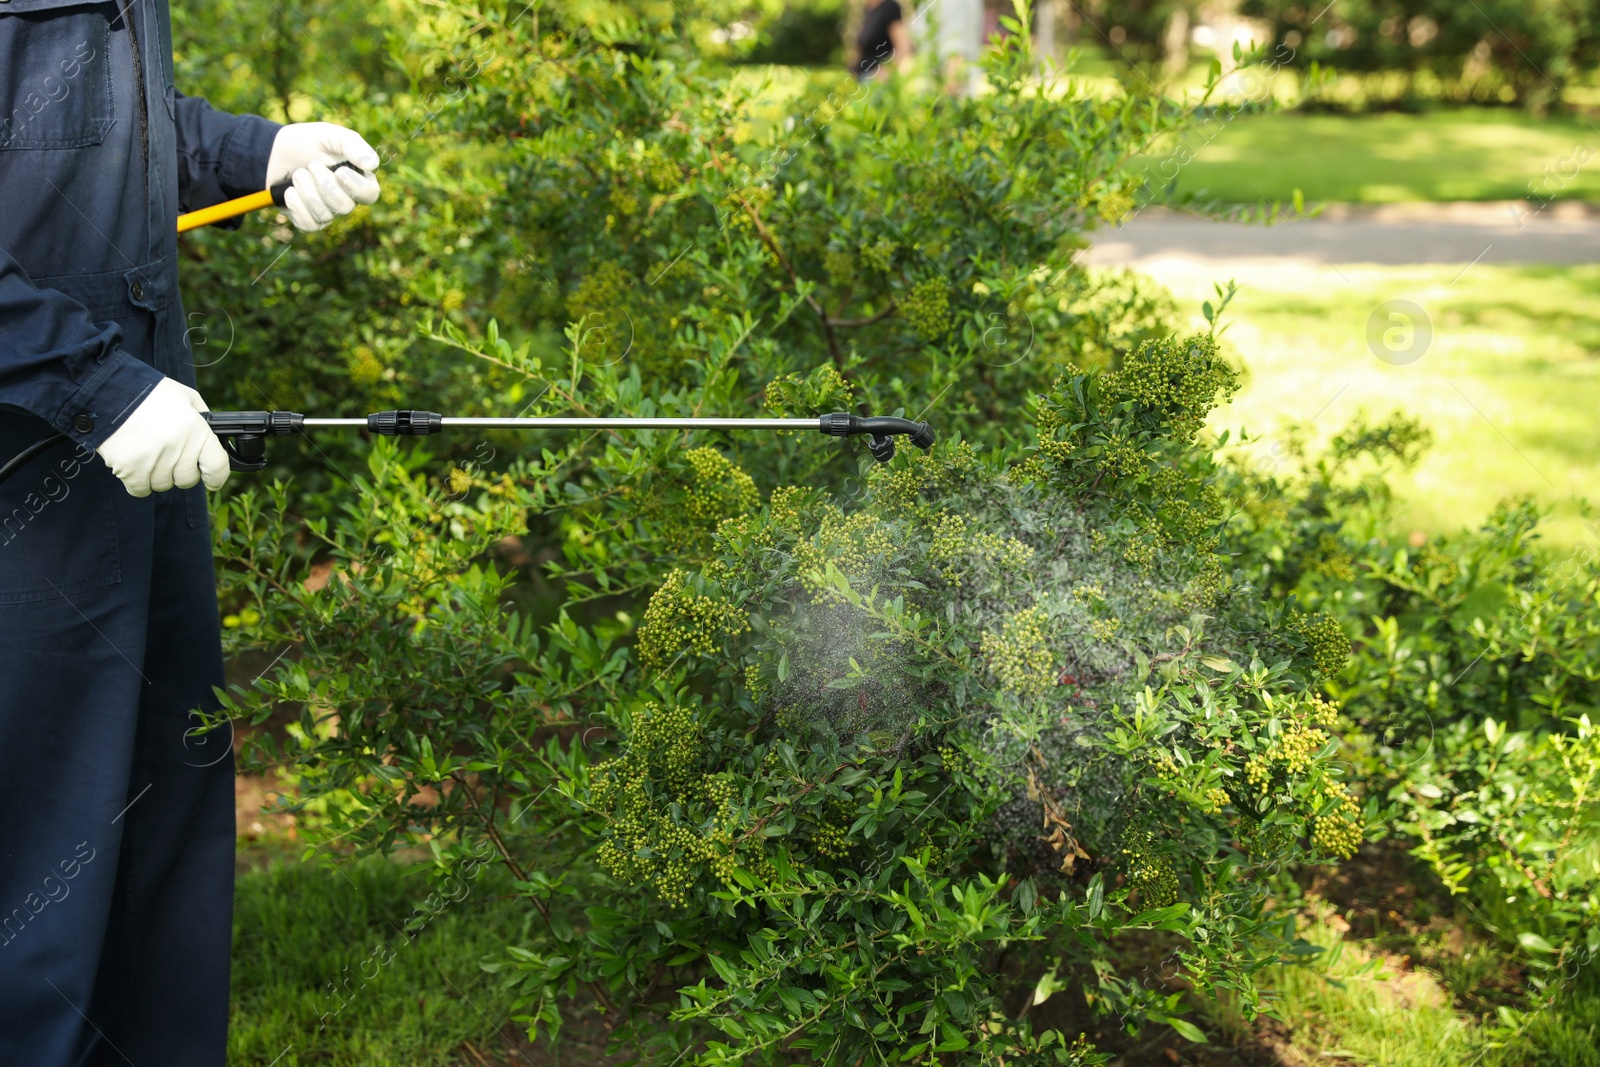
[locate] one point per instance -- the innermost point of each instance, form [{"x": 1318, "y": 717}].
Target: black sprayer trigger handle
[
  {"x": 244, "y": 434},
  {"x": 287, "y": 184}
]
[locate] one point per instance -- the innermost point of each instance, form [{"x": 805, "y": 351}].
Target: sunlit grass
[
  {"x": 1465, "y": 154},
  {"x": 1356, "y": 1003},
  {"x": 1353, "y": 1005},
  {"x": 1510, "y": 384}
]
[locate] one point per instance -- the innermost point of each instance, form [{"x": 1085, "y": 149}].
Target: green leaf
[
  {"x": 724, "y": 969},
  {"x": 1534, "y": 943}
]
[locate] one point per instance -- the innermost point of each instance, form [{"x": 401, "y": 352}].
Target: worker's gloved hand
[
  {"x": 305, "y": 152},
  {"x": 166, "y": 443}
]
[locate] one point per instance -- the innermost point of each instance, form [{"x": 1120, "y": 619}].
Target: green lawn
[
  {"x": 1468, "y": 154},
  {"x": 1358, "y": 1003},
  {"x": 1510, "y": 385},
  {"x": 304, "y": 931},
  {"x": 322, "y": 975}
]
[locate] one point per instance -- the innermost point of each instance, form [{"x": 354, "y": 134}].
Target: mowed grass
[
  {"x": 1466, "y": 154},
  {"x": 1509, "y": 385},
  {"x": 1356, "y": 1003},
  {"x": 322, "y": 975}
]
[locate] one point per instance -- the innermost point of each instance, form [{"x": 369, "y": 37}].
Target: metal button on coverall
[{"x": 116, "y": 821}]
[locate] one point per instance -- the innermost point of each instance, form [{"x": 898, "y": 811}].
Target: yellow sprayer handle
[
  {"x": 228, "y": 210},
  {"x": 241, "y": 206}
]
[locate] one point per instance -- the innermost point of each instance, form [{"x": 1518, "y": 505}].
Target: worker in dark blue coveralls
[{"x": 116, "y": 815}]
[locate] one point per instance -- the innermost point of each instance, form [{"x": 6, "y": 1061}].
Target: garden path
[{"x": 1517, "y": 231}]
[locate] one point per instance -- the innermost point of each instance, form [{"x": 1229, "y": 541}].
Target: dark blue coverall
[{"x": 116, "y": 819}]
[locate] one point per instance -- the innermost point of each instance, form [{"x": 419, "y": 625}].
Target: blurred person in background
[{"x": 883, "y": 40}]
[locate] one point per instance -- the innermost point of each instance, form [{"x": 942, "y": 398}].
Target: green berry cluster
[
  {"x": 830, "y": 841},
  {"x": 720, "y": 489},
  {"x": 840, "y": 265},
  {"x": 879, "y": 255},
  {"x": 1331, "y": 560},
  {"x": 1121, "y": 458},
  {"x": 858, "y": 545},
  {"x": 365, "y": 367},
  {"x": 680, "y": 620},
  {"x": 1292, "y": 752},
  {"x": 607, "y": 302},
  {"x": 1323, "y": 712},
  {"x": 1338, "y": 833},
  {"x": 1297, "y": 746},
  {"x": 1030, "y": 471},
  {"x": 794, "y": 396},
  {"x": 954, "y": 761},
  {"x": 1092, "y": 596},
  {"x": 916, "y": 486},
  {"x": 1142, "y": 552},
  {"x": 1258, "y": 773},
  {"x": 1328, "y": 643},
  {"x": 1150, "y": 871},
  {"x": 1203, "y": 590},
  {"x": 623, "y": 201},
  {"x": 1177, "y": 381},
  {"x": 666, "y": 821},
  {"x": 927, "y": 308},
  {"x": 955, "y": 545},
  {"x": 1105, "y": 629},
  {"x": 1114, "y": 206},
  {"x": 1018, "y": 655},
  {"x": 1431, "y": 563}
]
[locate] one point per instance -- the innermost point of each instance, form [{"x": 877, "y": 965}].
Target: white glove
[
  {"x": 304, "y": 152},
  {"x": 166, "y": 443}
]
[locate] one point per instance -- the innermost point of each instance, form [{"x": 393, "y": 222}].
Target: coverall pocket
[
  {"x": 58, "y": 533},
  {"x": 57, "y": 93}
]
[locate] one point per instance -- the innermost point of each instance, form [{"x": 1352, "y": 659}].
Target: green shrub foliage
[
  {"x": 794, "y": 757},
  {"x": 1488, "y": 51},
  {"x": 1471, "y": 692}
]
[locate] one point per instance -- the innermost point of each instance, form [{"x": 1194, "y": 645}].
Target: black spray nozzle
[
  {"x": 880, "y": 431},
  {"x": 405, "y": 423},
  {"x": 882, "y": 448}
]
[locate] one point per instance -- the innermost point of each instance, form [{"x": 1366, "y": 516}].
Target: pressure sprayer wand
[
  {"x": 244, "y": 433},
  {"x": 447, "y": 421}
]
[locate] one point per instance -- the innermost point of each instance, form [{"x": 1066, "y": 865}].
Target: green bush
[
  {"x": 1524, "y": 51},
  {"x": 787, "y": 755},
  {"x": 806, "y": 34},
  {"x": 1472, "y": 690},
  {"x": 778, "y": 770}
]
